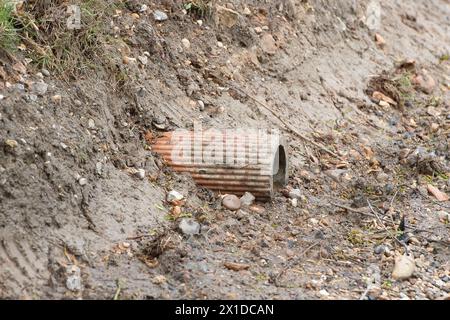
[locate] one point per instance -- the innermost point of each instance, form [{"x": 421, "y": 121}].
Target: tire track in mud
[{"x": 22, "y": 271}]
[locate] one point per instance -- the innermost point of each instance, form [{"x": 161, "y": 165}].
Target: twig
[
  {"x": 116, "y": 295},
  {"x": 295, "y": 261},
  {"x": 288, "y": 126},
  {"x": 353, "y": 210}
]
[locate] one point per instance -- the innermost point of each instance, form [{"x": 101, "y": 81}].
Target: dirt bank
[{"x": 77, "y": 222}]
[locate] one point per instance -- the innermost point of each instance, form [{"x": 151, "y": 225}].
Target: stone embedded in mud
[
  {"x": 174, "y": 196},
  {"x": 140, "y": 173},
  {"x": 186, "y": 43},
  {"x": 82, "y": 181},
  {"x": 39, "y": 88},
  {"x": 404, "y": 267},
  {"x": 189, "y": 226},
  {"x": 444, "y": 216},
  {"x": 295, "y": 194},
  {"x": 226, "y": 17},
  {"x": 231, "y": 202},
  {"x": 424, "y": 82},
  {"x": 160, "y": 15},
  {"x": 247, "y": 199},
  {"x": 268, "y": 44},
  {"x": 73, "y": 282}
]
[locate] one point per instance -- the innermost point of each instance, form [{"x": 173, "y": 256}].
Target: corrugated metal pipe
[{"x": 228, "y": 161}]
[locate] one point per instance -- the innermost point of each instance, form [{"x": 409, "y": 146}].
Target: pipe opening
[{"x": 279, "y": 169}]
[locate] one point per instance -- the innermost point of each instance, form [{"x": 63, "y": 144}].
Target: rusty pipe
[{"x": 228, "y": 161}]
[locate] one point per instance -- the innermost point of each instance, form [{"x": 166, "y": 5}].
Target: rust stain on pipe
[{"x": 228, "y": 161}]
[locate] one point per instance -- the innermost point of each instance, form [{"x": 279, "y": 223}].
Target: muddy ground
[{"x": 75, "y": 222}]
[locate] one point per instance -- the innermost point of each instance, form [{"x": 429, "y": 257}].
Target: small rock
[
  {"x": 382, "y": 177},
  {"x": 39, "y": 88},
  {"x": 186, "y": 43},
  {"x": 424, "y": 82},
  {"x": 404, "y": 267},
  {"x": 19, "y": 87},
  {"x": 258, "y": 209},
  {"x": 444, "y": 216},
  {"x": 247, "y": 199},
  {"x": 2, "y": 97},
  {"x": 201, "y": 105},
  {"x": 160, "y": 15},
  {"x": 258, "y": 30},
  {"x": 200, "y": 22},
  {"x": 82, "y": 181},
  {"x": 220, "y": 44},
  {"x": 11, "y": 143},
  {"x": 99, "y": 168},
  {"x": 78, "y": 103},
  {"x": 143, "y": 59},
  {"x": 379, "y": 249},
  {"x": 231, "y": 202},
  {"x": 174, "y": 196},
  {"x": 294, "y": 202},
  {"x": 295, "y": 194},
  {"x": 45, "y": 72},
  {"x": 143, "y": 8},
  {"x": 140, "y": 173},
  {"x": 91, "y": 124},
  {"x": 246, "y": 11},
  {"x": 434, "y": 127},
  {"x": 189, "y": 226},
  {"x": 226, "y": 17},
  {"x": 56, "y": 99},
  {"x": 379, "y": 40},
  {"x": 159, "y": 279},
  {"x": 324, "y": 293},
  {"x": 268, "y": 44},
  {"x": 73, "y": 282}
]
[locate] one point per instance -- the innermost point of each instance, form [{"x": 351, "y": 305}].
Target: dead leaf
[
  {"x": 236, "y": 266},
  {"x": 439, "y": 195}
]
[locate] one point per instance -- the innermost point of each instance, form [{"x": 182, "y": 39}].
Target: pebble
[
  {"x": 140, "y": 173},
  {"x": 189, "y": 226},
  {"x": 295, "y": 194},
  {"x": 56, "y": 99},
  {"x": 39, "y": 88},
  {"x": 2, "y": 97},
  {"x": 73, "y": 282},
  {"x": 294, "y": 202},
  {"x": 160, "y": 15},
  {"x": 268, "y": 44},
  {"x": 231, "y": 202},
  {"x": 186, "y": 43},
  {"x": 379, "y": 249},
  {"x": 99, "y": 168},
  {"x": 78, "y": 103},
  {"x": 11, "y": 143},
  {"x": 45, "y": 72},
  {"x": 404, "y": 267},
  {"x": 82, "y": 181},
  {"x": 174, "y": 196},
  {"x": 201, "y": 105},
  {"x": 445, "y": 216},
  {"x": 324, "y": 292},
  {"x": 20, "y": 87},
  {"x": 246, "y": 11},
  {"x": 143, "y": 8},
  {"x": 247, "y": 199},
  {"x": 143, "y": 59},
  {"x": 258, "y": 30},
  {"x": 91, "y": 124}
]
